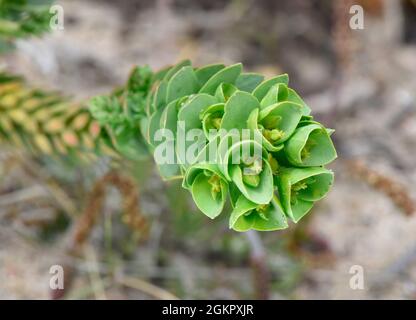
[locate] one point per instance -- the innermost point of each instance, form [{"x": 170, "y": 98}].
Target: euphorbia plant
[{"x": 228, "y": 135}]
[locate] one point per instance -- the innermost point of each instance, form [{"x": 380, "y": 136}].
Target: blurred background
[{"x": 88, "y": 216}]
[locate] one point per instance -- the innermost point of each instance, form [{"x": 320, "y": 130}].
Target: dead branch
[{"x": 396, "y": 191}]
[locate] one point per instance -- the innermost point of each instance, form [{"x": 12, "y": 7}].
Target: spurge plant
[{"x": 280, "y": 175}]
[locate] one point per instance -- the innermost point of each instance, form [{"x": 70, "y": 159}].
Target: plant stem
[{"x": 261, "y": 274}]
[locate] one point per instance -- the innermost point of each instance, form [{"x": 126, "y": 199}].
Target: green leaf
[
  {"x": 144, "y": 127},
  {"x": 209, "y": 153},
  {"x": 153, "y": 126},
  {"x": 168, "y": 121},
  {"x": 277, "y": 93},
  {"x": 159, "y": 98},
  {"x": 248, "y": 81},
  {"x": 242, "y": 162},
  {"x": 22, "y": 18},
  {"x": 226, "y": 75},
  {"x": 278, "y": 122},
  {"x": 261, "y": 90},
  {"x": 299, "y": 188},
  {"x": 263, "y": 192},
  {"x": 193, "y": 171},
  {"x": 169, "y": 171},
  {"x": 190, "y": 115},
  {"x": 174, "y": 69},
  {"x": 294, "y": 97},
  {"x": 248, "y": 215},
  {"x": 237, "y": 110},
  {"x": 204, "y": 73},
  {"x": 224, "y": 92},
  {"x": 129, "y": 143},
  {"x": 182, "y": 83},
  {"x": 234, "y": 149},
  {"x": 234, "y": 194},
  {"x": 242, "y": 207},
  {"x": 193, "y": 108},
  {"x": 169, "y": 117},
  {"x": 310, "y": 146},
  {"x": 212, "y": 118},
  {"x": 330, "y": 131},
  {"x": 208, "y": 188}
]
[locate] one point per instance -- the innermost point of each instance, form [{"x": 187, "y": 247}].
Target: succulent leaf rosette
[{"x": 239, "y": 142}]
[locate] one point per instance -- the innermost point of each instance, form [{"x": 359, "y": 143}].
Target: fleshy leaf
[
  {"x": 230, "y": 149},
  {"x": 129, "y": 144},
  {"x": 208, "y": 188},
  {"x": 206, "y": 72},
  {"x": 209, "y": 153},
  {"x": 226, "y": 75},
  {"x": 310, "y": 146},
  {"x": 248, "y": 215},
  {"x": 169, "y": 171},
  {"x": 189, "y": 115},
  {"x": 261, "y": 90},
  {"x": 263, "y": 192},
  {"x": 169, "y": 117},
  {"x": 278, "y": 122},
  {"x": 212, "y": 118},
  {"x": 248, "y": 81},
  {"x": 294, "y": 97},
  {"x": 182, "y": 83},
  {"x": 234, "y": 194},
  {"x": 154, "y": 125},
  {"x": 277, "y": 93},
  {"x": 174, "y": 69},
  {"x": 159, "y": 98},
  {"x": 299, "y": 188},
  {"x": 192, "y": 109},
  {"x": 242, "y": 162},
  {"x": 225, "y": 91},
  {"x": 237, "y": 110}
]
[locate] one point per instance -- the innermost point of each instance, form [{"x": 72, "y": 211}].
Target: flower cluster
[{"x": 266, "y": 152}]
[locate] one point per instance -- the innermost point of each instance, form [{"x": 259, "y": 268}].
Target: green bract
[
  {"x": 208, "y": 188},
  {"x": 310, "y": 146},
  {"x": 249, "y": 215},
  {"x": 300, "y": 188},
  {"x": 227, "y": 135}
]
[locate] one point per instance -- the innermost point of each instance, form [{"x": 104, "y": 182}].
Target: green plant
[
  {"x": 48, "y": 123},
  {"x": 21, "y": 19},
  {"x": 281, "y": 149}
]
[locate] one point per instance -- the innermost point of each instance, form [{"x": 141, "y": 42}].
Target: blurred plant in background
[{"x": 21, "y": 19}]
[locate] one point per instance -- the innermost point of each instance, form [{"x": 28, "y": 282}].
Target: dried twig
[
  {"x": 146, "y": 287},
  {"x": 94, "y": 274},
  {"x": 132, "y": 216},
  {"x": 18, "y": 196},
  {"x": 83, "y": 227},
  {"x": 394, "y": 190}
]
